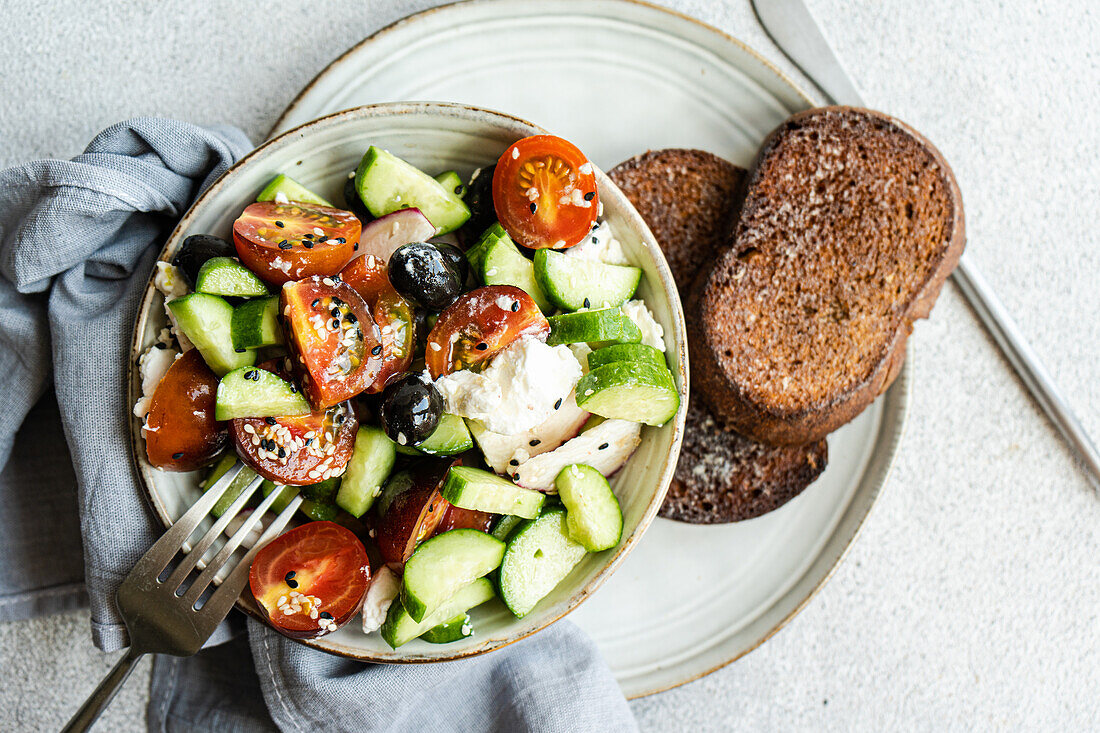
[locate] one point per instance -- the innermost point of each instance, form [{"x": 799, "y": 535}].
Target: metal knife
[{"x": 792, "y": 27}]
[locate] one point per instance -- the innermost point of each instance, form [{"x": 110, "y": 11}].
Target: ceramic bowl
[{"x": 434, "y": 137}]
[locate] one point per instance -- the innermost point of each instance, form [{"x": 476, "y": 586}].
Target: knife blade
[{"x": 791, "y": 25}]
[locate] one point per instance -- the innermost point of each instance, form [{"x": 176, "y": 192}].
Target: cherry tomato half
[
  {"x": 284, "y": 242},
  {"x": 414, "y": 514},
  {"x": 311, "y": 580},
  {"x": 479, "y": 325},
  {"x": 544, "y": 192},
  {"x": 299, "y": 450},
  {"x": 180, "y": 431},
  {"x": 394, "y": 315},
  {"x": 457, "y": 517},
  {"x": 334, "y": 341}
]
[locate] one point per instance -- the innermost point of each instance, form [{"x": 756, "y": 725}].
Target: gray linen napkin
[{"x": 77, "y": 242}]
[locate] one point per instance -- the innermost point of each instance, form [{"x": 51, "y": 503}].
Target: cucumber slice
[
  {"x": 476, "y": 254},
  {"x": 472, "y": 488},
  {"x": 286, "y": 493},
  {"x": 400, "y": 628},
  {"x": 573, "y": 283},
  {"x": 439, "y": 567},
  {"x": 207, "y": 321},
  {"x": 593, "y": 516},
  {"x": 323, "y": 492},
  {"x": 604, "y": 327},
  {"x": 386, "y": 183},
  {"x": 369, "y": 467},
  {"x": 256, "y": 324},
  {"x": 450, "y": 437},
  {"x": 236, "y": 487},
  {"x": 504, "y": 527},
  {"x": 539, "y": 556},
  {"x": 503, "y": 264},
  {"x": 455, "y": 628},
  {"x": 630, "y": 390},
  {"x": 451, "y": 181},
  {"x": 225, "y": 276},
  {"x": 318, "y": 511},
  {"x": 255, "y": 392},
  {"x": 293, "y": 191},
  {"x": 626, "y": 352}
]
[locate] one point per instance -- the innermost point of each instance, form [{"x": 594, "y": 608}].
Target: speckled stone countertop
[{"x": 971, "y": 598}]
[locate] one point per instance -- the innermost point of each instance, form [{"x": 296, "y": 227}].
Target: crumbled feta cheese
[
  {"x": 600, "y": 245},
  {"x": 652, "y": 332},
  {"x": 171, "y": 283},
  {"x": 280, "y": 198},
  {"x": 517, "y": 391},
  {"x": 384, "y": 587},
  {"x": 152, "y": 366},
  {"x": 280, "y": 264}
]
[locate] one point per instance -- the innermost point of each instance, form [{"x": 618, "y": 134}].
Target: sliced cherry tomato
[
  {"x": 458, "y": 518},
  {"x": 335, "y": 342},
  {"x": 544, "y": 192},
  {"x": 479, "y": 325},
  {"x": 414, "y": 514},
  {"x": 284, "y": 242},
  {"x": 394, "y": 315},
  {"x": 304, "y": 441},
  {"x": 311, "y": 580},
  {"x": 180, "y": 431}
]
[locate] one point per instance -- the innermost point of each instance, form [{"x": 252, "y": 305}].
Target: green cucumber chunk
[
  {"x": 371, "y": 462},
  {"x": 504, "y": 526},
  {"x": 254, "y": 392},
  {"x": 207, "y": 320},
  {"x": 630, "y": 390},
  {"x": 293, "y": 191},
  {"x": 626, "y": 352},
  {"x": 455, "y": 628},
  {"x": 603, "y": 327},
  {"x": 323, "y": 492},
  {"x": 235, "y": 488},
  {"x": 386, "y": 183},
  {"x": 286, "y": 493},
  {"x": 573, "y": 283},
  {"x": 318, "y": 511},
  {"x": 451, "y": 181},
  {"x": 503, "y": 264},
  {"x": 439, "y": 567},
  {"x": 226, "y": 277},
  {"x": 472, "y": 488},
  {"x": 450, "y": 437},
  {"x": 593, "y": 516},
  {"x": 476, "y": 254},
  {"x": 400, "y": 628},
  {"x": 539, "y": 556},
  {"x": 256, "y": 323}
]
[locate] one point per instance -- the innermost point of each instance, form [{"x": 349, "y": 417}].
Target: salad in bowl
[{"x": 450, "y": 368}]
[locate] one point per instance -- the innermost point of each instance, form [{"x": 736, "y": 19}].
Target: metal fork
[{"x": 165, "y": 615}]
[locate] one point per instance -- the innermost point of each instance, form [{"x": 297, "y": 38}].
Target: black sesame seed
[
  {"x": 587, "y": 303},
  {"x": 513, "y": 462},
  {"x": 459, "y": 189},
  {"x": 290, "y": 574},
  {"x": 293, "y": 389},
  {"x": 376, "y": 350},
  {"x": 161, "y": 345},
  {"x": 557, "y": 405},
  {"x": 341, "y": 240},
  {"x": 308, "y": 244},
  {"x": 249, "y": 373},
  {"x": 337, "y": 301},
  {"x": 355, "y": 248},
  {"x": 177, "y": 456},
  {"x": 339, "y": 419},
  {"x": 590, "y": 195},
  {"x": 285, "y": 245},
  {"x": 315, "y": 303},
  {"x": 516, "y": 475},
  {"x": 269, "y": 420},
  {"x": 603, "y": 446},
  {"x": 482, "y": 346},
  {"x": 326, "y": 614},
  {"x": 595, "y": 240},
  {"x": 280, "y": 224},
  {"x": 335, "y": 312},
  {"x": 309, "y": 441},
  {"x": 534, "y": 207},
  {"x": 350, "y": 318},
  {"x": 292, "y": 583},
  {"x": 256, "y": 375},
  {"x": 336, "y": 323},
  {"x": 282, "y": 453},
  {"x": 240, "y": 351},
  {"x": 534, "y": 442},
  {"x": 308, "y": 235}
]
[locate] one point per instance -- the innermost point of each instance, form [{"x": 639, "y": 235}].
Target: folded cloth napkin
[{"x": 78, "y": 240}]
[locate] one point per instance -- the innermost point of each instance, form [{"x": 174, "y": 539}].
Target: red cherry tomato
[
  {"x": 479, "y": 325},
  {"x": 311, "y": 580},
  {"x": 458, "y": 518},
  {"x": 181, "y": 433},
  {"x": 393, "y": 314},
  {"x": 284, "y": 242},
  {"x": 414, "y": 514},
  {"x": 544, "y": 192},
  {"x": 335, "y": 342}
]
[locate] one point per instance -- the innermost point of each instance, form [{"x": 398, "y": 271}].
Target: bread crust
[{"x": 723, "y": 390}]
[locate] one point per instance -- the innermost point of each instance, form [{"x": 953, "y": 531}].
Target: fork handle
[{"x": 98, "y": 701}]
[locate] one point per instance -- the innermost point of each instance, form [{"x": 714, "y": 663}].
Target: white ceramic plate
[{"x": 618, "y": 78}]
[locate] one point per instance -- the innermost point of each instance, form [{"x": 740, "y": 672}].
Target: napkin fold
[{"x": 78, "y": 240}]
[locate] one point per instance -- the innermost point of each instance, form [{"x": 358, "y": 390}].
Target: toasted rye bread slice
[
  {"x": 686, "y": 196},
  {"x": 843, "y": 234}
]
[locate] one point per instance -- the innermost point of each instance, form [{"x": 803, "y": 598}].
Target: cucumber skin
[
  {"x": 502, "y": 256},
  {"x": 410, "y": 599},
  {"x": 453, "y": 629},
  {"x": 626, "y": 352},
  {"x": 585, "y": 493},
  {"x": 253, "y": 287},
  {"x": 451, "y": 181},
  {"x": 249, "y": 321},
  {"x": 207, "y": 320},
  {"x": 450, "y": 210},
  {"x": 295, "y": 404},
  {"x": 527, "y": 532},
  {"x": 398, "y": 619},
  {"x": 506, "y": 526},
  {"x": 553, "y": 267},
  {"x": 370, "y": 466},
  {"x": 455, "y": 425},
  {"x": 605, "y": 327},
  {"x": 476, "y": 254},
  {"x": 460, "y": 476},
  {"x": 627, "y": 374},
  {"x": 293, "y": 190}
]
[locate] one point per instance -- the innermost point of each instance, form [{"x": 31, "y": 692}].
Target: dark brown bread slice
[
  {"x": 686, "y": 196},
  {"x": 843, "y": 234}
]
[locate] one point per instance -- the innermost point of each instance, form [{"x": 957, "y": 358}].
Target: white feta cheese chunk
[
  {"x": 384, "y": 587},
  {"x": 171, "y": 283},
  {"x": 152, "y": 366},
  {"x": 652, "y": 332},
  {"x": 581, "y": 351},
  {"x": 500, "y": 450},
  {"x": 517, "y": 391},
  {"x": 605, "y": 447},
  {"x": 600, "y": 245}
]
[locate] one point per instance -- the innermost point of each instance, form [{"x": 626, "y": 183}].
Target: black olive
[
  {"x": 196, "y": 250},
  {"x": 457, "y": 258},
  {"x": 410, "y": 409},
  {"x": 479, "y": 197},
  {"x": 354, "y": 203},
  {"x": 422, "y": 273}
]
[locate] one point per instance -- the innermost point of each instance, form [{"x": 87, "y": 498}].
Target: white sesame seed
[
  {"x": 319, "y": 231},
  {"x": 515, "y": 153},
  {"x": 435, "y": 346}
]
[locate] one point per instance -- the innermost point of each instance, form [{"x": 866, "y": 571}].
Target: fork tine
[
  {"x": 163, "y": 550},
  {"x": 223, "y": 599},
  {"x": 192, "y": 558}
]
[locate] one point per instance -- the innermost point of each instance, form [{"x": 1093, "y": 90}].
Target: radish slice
[{"x": 385, "y": 234}]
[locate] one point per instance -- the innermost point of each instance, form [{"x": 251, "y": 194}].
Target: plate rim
[{"x": 876, "y": 473}]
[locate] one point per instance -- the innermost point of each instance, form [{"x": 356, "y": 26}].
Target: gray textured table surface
[{"x": 971, "y": 597}]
